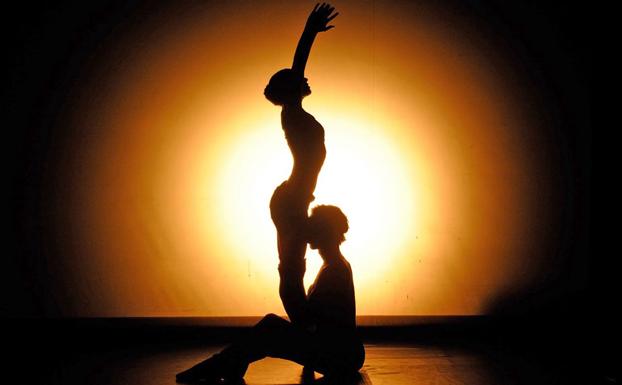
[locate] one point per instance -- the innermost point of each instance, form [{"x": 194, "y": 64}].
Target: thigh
[
  {"x": 288, "y": 208},
  {"x": 279, "y": 338},
  {"x": 289, "y": 215}
]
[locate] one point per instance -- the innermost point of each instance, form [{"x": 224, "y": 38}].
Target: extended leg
[
  {"x": 271, "y": 337},
  {"x": 275, "y": 337}
]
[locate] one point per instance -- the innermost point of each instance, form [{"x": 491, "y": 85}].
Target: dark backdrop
[{"x": 47, "y": 47}]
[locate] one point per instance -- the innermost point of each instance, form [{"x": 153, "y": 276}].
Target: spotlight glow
[
  {"x": 182, "y": 154},
  {"x": 363, "y": 174}
]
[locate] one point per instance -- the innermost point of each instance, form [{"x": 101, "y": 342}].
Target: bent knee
[
  {"x": 271, "y": 319},
  {"x": 271, "y": 316}
]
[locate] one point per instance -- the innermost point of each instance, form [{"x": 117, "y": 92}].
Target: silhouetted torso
[
  {"x": 305, "y": 137},
  {"x": 331, "y": 299}
]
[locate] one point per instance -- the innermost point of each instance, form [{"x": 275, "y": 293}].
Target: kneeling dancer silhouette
[{"x": 324, "y": 341}]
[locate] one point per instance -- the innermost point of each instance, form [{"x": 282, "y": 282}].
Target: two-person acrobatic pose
[{"x": 321, "y": 334}]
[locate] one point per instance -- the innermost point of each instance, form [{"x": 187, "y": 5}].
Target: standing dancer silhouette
[
  {"x": 322, "y": 333},
  {"x": 305, "y": 137}
]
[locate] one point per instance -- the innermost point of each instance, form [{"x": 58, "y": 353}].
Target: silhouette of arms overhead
[{"x": 317, "y": 22}]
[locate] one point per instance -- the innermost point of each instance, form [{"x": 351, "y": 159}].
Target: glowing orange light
[{"x": 422, "y": 157}]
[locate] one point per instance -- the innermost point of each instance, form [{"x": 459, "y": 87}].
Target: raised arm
[{"x": 317, "y": 22}]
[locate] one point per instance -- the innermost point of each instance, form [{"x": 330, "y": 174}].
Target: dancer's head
[
  {"x": 286, "y": 87},
  {"x": 327, "y": 226}
]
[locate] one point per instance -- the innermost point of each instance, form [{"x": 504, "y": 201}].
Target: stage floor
[
  {"x": 152, "y": 351},
  {"x": 386, "y": 364}
]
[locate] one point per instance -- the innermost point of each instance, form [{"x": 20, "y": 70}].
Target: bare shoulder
[{"x": 343, "y": 267}]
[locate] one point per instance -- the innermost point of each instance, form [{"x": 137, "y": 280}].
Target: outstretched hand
[{"x": 320, "y": 17}]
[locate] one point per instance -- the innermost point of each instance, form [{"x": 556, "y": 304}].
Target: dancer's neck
[
  {"x": 330, "y": 254},
  {"x": 297, "y": 106}
]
